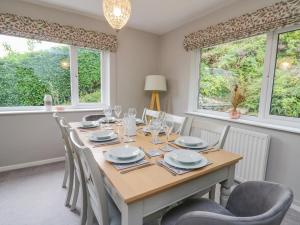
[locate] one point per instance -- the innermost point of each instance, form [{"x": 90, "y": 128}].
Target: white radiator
[{"x": 253, "y": 146}]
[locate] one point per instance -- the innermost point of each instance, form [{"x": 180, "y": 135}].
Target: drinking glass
[
  {"x": 132, "y": 112},
  {"x": 154, "y": 128},
  {"x": 168, "y": 126},
  {"x": 118, "y": 111},
  {"x": 107, "y": 113}
]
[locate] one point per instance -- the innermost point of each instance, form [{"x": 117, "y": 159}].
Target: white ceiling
[{"x": 155, "y": 16}]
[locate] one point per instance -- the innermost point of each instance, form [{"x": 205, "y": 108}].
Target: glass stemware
[
  {"x": 154, "y": 128},
  {"x": 168, "y": 126},
  {"x": 118, "y": 111},
  {"x": 132, "y": 112},
  {"x": 107, "y": 113}
]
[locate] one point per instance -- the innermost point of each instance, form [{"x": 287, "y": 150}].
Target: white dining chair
[
  {"x": 179, "y": 122},
  {"x": 215, "y": 134},
  {"x": 69, "y": 164},
  {"x": 148, "y": 113},
  {"x": 99, "y": 204}
]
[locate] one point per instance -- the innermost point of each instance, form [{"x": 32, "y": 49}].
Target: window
[
  {"x": 266, "y": 68},
  {"x": 239, "y": 62},
  {"x": 286, "y": 87},
  {"x": 29, "y": 69}
]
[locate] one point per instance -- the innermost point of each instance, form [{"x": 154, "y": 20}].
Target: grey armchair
[{"x": 250, "y": 203}]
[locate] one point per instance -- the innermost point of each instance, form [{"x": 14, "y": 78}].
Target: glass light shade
[{"x": 117, "y": 12}]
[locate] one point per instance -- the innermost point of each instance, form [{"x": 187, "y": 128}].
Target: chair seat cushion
[{"x": 191, "y": 205}]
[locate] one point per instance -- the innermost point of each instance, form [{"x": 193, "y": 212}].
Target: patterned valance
[
  {"x": 26, "y": 27},
  {"x": 259, "y": 22}
]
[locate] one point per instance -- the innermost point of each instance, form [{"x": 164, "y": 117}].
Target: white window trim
[
  {"x": 264, "y": 116},
  {"x": 107, "y": 93}
]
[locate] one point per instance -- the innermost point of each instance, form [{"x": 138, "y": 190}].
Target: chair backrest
[
  {"x": 214, "y": 133},
  {"x": 96, "y": 193},
  {"x": 93, "y": 117},
  {"x": 148, "y": 113},
  {"x": 264, "y": 203},
  {"x": 179, "y": 122}
]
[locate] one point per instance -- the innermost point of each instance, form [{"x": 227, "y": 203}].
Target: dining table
[{"x": 147, "y": 190}]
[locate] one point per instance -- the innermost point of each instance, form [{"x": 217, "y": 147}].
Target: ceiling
[{"x": 155, "y": 16}]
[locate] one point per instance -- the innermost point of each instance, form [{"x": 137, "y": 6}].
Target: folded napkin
[
  {"x": 120, "y": 166},
  {"x": 101, "y": 144}
]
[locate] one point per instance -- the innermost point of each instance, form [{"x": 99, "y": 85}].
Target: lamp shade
[{"x": 155, "y": 83}]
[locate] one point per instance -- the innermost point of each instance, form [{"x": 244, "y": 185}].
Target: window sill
[
  {"x": 249, "y": 122},
  {"x": 42, "y": 111}
]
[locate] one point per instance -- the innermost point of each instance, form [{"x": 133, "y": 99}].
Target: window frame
[
  {"x": 264, "y": 114},
  {"x": 105, "y": 90}
]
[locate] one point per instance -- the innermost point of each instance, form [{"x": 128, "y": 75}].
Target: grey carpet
[{"x": 34, "y": 196}]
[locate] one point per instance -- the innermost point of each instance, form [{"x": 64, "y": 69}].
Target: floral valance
[
  {"x": 263, "y": 20},
  {"x": 26, "y": 27}
]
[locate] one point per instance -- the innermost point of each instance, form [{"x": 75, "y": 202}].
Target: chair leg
[
  {"x": 75, "y": 193},
  {"x": 70, "y": 187},
  {"x": 83, "y": 213},
  {"x": 66, "y": 175},
  {"x": 212, "y": 193},
  {"x": 90, "y": 214}
]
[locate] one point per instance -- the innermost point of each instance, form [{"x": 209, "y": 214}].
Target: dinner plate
[
  {"x": 169, "y": 160},
  {"x": 189, "y": 140},
  {"x": 124, "y": 152},
  {"x": 204, "y": 144},
  {"x": 186, "y": 156},
  {"x": 108, "y": 120},
  {"x": 112, "y": 159},
  {"x": 88, "y": 124},
  {"x": 95, "y": 139}
]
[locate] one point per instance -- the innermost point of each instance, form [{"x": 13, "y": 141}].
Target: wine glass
[
  {"x": 154, "y": 128},
  {"x": 132, "y": 112},
  {"x": 118, "y": 111},
  {"x": 168, "y": 126}
]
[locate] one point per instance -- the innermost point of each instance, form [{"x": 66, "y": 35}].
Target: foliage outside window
[
  {"x": 29, "y": 69},
  {"x": 243, "y": 62}
]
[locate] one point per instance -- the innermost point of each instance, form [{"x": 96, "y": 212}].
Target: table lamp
[{"x": 155, "y": 83}]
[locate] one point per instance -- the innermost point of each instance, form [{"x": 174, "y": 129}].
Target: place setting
[
  {"x": 127, "y": 158},
  {"x": 104, "y": 138},
  {"x": 180, "y": 161},
  {"x": 85, "y": 126}
]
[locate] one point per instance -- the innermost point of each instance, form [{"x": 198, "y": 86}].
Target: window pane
[
  {"x": 89, "y": 75},
  {"x": 29, "y": 69},
  {"x": 286, "y": 88},
  {"x": 222, "y": 66}
]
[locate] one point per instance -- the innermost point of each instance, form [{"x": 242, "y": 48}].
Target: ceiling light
[{"x": 117, "y": 12}]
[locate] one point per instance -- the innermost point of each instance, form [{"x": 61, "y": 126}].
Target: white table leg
[
  {"x": 132, "y": 214},
  {"x": 226, "y": 186}
]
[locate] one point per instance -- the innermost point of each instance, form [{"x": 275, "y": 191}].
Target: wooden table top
[{"x": 150, "y": 180}]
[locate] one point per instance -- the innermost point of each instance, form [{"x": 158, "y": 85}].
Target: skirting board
[{"x": 31, "y": 164}]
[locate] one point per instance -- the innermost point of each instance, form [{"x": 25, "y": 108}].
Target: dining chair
[
  {"x": 215, "y": 134},
  {"x": 148, "y": 113},
  {"x": 77, "y": 171},
  {"x": 250, "y": 203},
  {"x": 99, "y": 203},
  {"x": 179, "y": 122},
  {"x": 69, "y": 163},
  {"x": 92, "y": 117}
]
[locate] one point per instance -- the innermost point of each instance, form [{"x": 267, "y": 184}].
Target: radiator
[{"x": 253, "y": 146}]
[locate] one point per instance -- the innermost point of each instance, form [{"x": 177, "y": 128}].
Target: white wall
[
  {"x": 34, "y": 137},
  {"x": 283, "y": 163}
]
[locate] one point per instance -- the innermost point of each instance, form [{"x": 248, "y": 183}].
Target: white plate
[
  {"x": 112, "y": 159},
  {"x": 108, "y": 120},
  {"x": 168, "y": 159},
  {"x": 95, "y": 139},
  {"x": 124, "y": 152},
  {"x": 88, "y": 124},
  {"x": 146, "y": 130},
  {"x": 185, "y": 156},
  {"x": 139, "y": 121},
  {"x": 204, "y": 144},
  {"x": 189, "y": 141},
  {"x": 103, "y": 134}
]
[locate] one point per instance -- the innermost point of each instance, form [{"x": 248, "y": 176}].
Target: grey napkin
[{"x": 120, "y": 166}]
